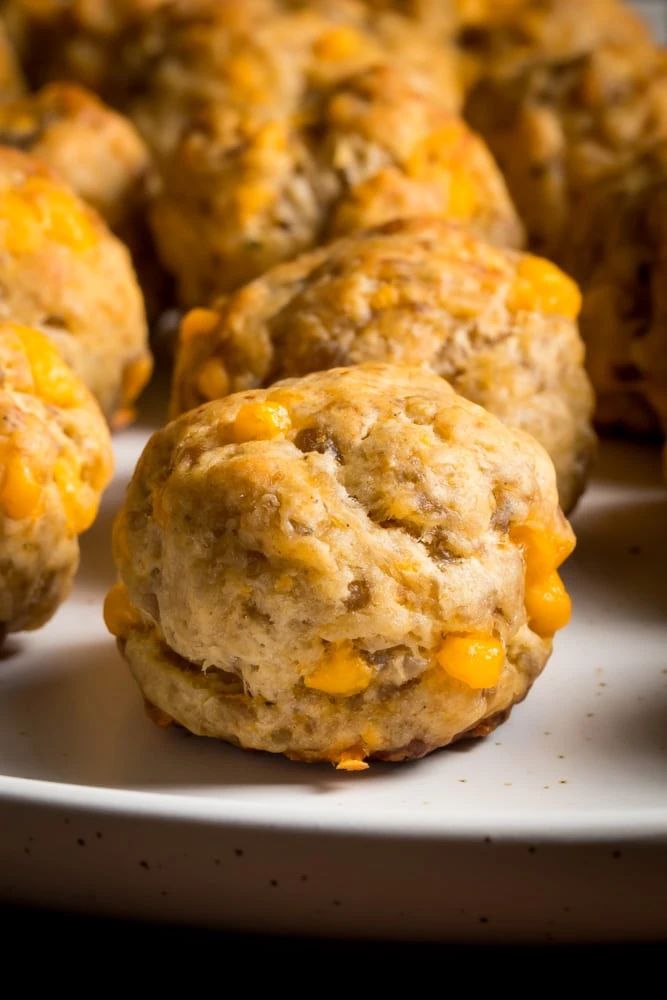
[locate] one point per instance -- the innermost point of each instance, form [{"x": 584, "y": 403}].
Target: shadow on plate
[
  {"x": 637, "y": 738},
  {"x": 77, "y": 718},
  {"x": 621, "y": 558},
  {"x": 613, "y": 467}
]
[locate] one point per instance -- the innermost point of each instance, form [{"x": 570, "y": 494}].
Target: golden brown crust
[
  {"x": 101, "y": 157},
  {"x": 416, "y": 749},
  {"x": 238, "y": 199},
  {"x": 567, "y": 94},
  {"x": 248, "y": 561},
  {"x": 618, "y": 248},
  {"x": 55, "y": 459},
  {"x": 96, "y": 151},
  {"x": 236, "y": 102},
  {"x": 164, "y": 57},
  {"x": 266, "y": 59},
  {"x": 420, "y": 293},
  {"x": 61, "y": 270}
]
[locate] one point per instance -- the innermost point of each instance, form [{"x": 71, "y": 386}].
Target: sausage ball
[
  {"x": 55, "y": 460},
  {"x": 258, "y": 61},
  {"x": 96, "y": 151},
  {"x": 618, "y": 249},
  {"x": 101, "y": 156},
  {"x": 497, "y": 324},
  {"x": 61, "y": 270},
  {"x": 238, "y": 199},
  {"x": 358, "y": 563},
  {"x": 164, "y": 57},
  {"x": 567, "y": 94}
]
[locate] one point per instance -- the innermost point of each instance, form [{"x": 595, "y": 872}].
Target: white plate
[{"x": 555, "y": 827}]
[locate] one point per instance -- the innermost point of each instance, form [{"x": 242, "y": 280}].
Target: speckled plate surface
[{"x": 555, "y": 827}]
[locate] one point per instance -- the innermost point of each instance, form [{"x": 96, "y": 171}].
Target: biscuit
[
  {"x": 359, "y": 563},
  {"x": 499, "y": 325},
  {"x": 567, "y": 94},
  {"x": 55, "y": 460},
  {"x": 61, "y": 270},
  {"x": 96, "y": 151},
  {"x": 239, "y": 198},
  {"x": 618, "y": 249}
]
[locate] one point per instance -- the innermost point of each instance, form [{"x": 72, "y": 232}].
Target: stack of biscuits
[{"x": 405, "y": 242}]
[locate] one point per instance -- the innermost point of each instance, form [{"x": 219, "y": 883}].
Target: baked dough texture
[
  {"x": 238, "y": 199},
  {"x": 171, "y": 54},
  {"x": 277, "y": 125},
  {"x": 102, "y": 157},
  {"x": 299, "y": 562},
  {"x": 269, "y": 59},
  {"x": 62, "y": 271},
  {"x": 163, "y": 58},
  {"x": 95, "y": 150},
  {"x": 55, "y": 460},
  {"x": 499, "y": 325},
  {"x": 618, "y": 249},
  {"x": 567, "y": 93}
]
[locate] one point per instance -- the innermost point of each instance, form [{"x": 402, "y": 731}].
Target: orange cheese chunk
[
  {"x": 41, "y": 211},
  {"x": 54, "y": 382},
  {"x": 544, "y": 551},
  {"x": 540, "y": 286},
  {"x": 79, "y": 501},
  {"x": 198, "y": 323},
  {"x": 463, "y": 196},
  {"x": 261, "y": 421},
  {"x": 341, "y": 672},
  {"x": 245, "y": 73},
  {"x": 351, "y": 764},
  {"x": 384, "y": 297},
  {"x": 20, "y": 491},
  {"x": 120, "y": 615},
  {"x": 476, "y": 659},
  {"x": 438, "y": 151},
  {"x": 212, "y": 379},
  {"x": 252, "y": 199},
  {"x": 271, "y": 137},
  {"x": 441, "y": 159},
  {"x": 548, "y": 605},
  {"x": 370, "y": 736},
  {"x": 135, "y": 376},
  {"x": 338, "y": 44}
]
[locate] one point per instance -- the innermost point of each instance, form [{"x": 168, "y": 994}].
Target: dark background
[{"x": 160, "y": 951}]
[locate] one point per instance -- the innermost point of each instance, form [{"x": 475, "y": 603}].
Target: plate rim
[{"x": 598, "y": 826}]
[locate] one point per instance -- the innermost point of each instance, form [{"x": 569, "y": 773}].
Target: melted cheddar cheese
[{"x": 341, "y": 672}]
